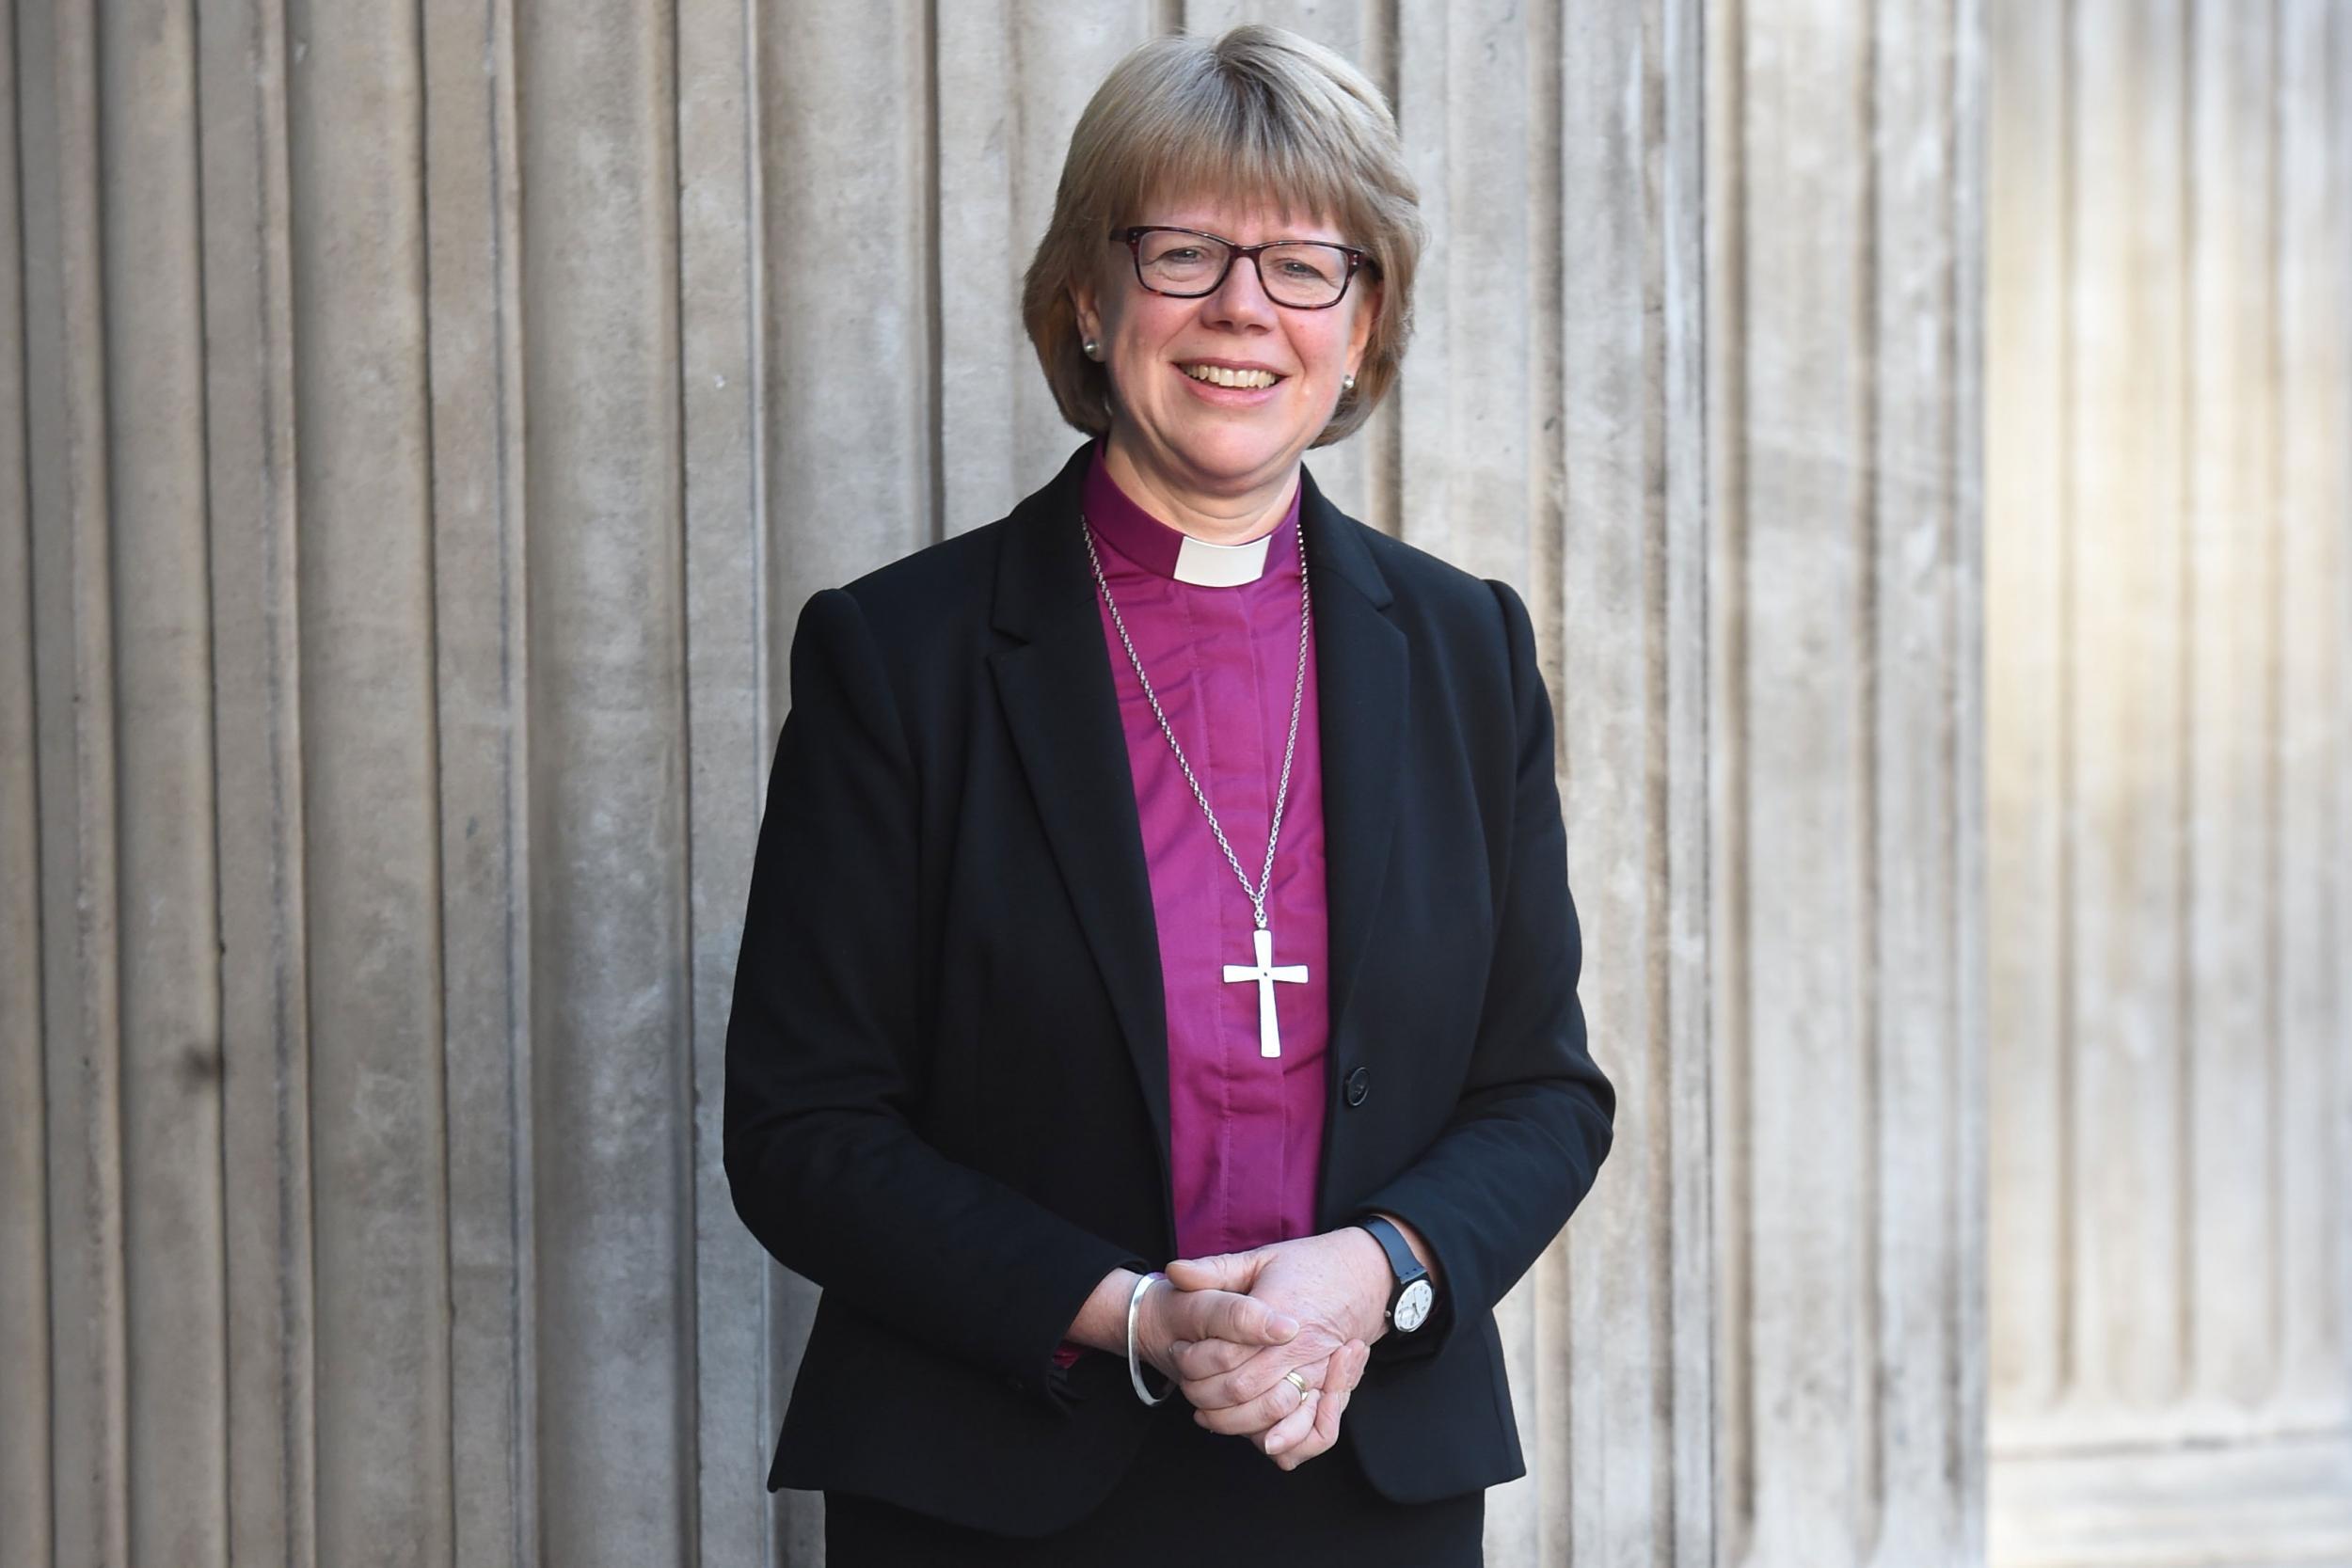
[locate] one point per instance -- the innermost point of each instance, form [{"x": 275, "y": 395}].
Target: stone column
[
  {"x": 1844, "y": 586},
  {"x": 2171, "y": 559},
  {"x": 434, "y": 418}
]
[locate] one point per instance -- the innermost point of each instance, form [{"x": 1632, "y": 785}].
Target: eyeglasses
[{"x": 1184, "y": 264}]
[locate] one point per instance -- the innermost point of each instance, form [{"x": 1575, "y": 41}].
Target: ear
[
  {"x": 1089, "y": 319},
  {"x": 1360, "y": 330}
]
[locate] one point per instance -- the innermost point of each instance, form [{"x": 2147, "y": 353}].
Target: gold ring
[{"x": 1296, "y": 1381}]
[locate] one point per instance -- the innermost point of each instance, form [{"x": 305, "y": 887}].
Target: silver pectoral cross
[{"x": 1265, "y": 973}]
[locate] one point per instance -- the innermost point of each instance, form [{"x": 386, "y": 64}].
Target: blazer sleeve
[
  {"x": 825, "y": 1049},
  {"x": 1535, "y": 1115}
]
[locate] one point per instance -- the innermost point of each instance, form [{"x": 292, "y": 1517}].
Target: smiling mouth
[{"x": 1217, "y": 375}]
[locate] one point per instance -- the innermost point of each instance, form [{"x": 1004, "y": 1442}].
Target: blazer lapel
[
  {"x": 1361, "y": 675},
  {"x": 1063, "y": 711}
]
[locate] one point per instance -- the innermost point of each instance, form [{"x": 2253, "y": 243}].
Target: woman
[{"x": 1159, "y": 971}]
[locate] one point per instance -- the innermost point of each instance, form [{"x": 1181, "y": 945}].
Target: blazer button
[{"x": 1359, "y": 1086}]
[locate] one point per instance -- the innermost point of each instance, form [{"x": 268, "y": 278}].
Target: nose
[{"x": 1241, "y": 299}]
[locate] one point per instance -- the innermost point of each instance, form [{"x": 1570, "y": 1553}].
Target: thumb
[{"x": 1227, "y": 1271}]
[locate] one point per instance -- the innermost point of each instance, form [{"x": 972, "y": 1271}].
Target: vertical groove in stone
[
  {"x": 729, "y": 743},
  {"x": 2231, "y": 1287},
  {"x": 1873, "y": 236},
  {"x": 1965, "y": 1371},
  {"x": 369, "y": 763},
  {"x": 2332, "y": 1303},
  {"x": 2127, "y": 301},
  {"x": 25, "y": 1479},
  {"x": 1676, "y": 67},
  {"x": 935, "y": 438},
  {"x": 1382, "y": 476},
  {"x": 170, "y": 945},
  {"x": 1546, "y": 484},
  {"x": 75, "y": 718},
  {"x": 2026, "y": 154},
  {"x": 610, "y": 1026},
  {"x": 2314, "y": 326},
  {"x": 1730, "y": 932},
  {"x": 686, "y": 1141},
  {"x": 2273, "y": 608},
  {"x": 2338, "y": 1314},
  {"x": 2183, "y": 1132},
  {"x": 769, "y": 1400},
  {"x": 250, "y": 469},
  {"x": 2068, "y": 577},
  {"x": 468, "y": 73},
  {"x": 1423, "y": 108},
  {"x": 511, "y": 474},
  {"x": 1546, "y": 1402}
]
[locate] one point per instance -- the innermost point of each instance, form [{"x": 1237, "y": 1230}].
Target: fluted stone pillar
[
  {"x": 2170, "y": 667},
  {"x": 434, "y": 418},
  {"x": 1844, "y": 590}
]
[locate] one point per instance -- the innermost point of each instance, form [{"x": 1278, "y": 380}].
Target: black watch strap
[{"x": 1409, "y": 1276}]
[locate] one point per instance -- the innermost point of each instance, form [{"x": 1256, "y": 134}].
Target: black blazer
[{"x": 946, "y": 1098}]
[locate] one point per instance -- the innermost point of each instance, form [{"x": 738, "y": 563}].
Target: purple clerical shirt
[{"x": 1217, "y": 630}]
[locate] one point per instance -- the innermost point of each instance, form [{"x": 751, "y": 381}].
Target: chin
[{"x": 1238, "y": 456}]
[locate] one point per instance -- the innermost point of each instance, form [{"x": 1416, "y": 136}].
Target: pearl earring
[
  {"x": 1094, "y": 350},
  {"x": 1348, "y": 382}
]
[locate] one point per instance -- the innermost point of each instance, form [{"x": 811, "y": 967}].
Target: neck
[{"x": 1236, "y": 518}]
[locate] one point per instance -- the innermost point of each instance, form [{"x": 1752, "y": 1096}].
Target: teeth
[{"x": 1217, "y": 375}]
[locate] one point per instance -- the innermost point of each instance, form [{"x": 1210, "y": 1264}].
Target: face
[{"x": 1195, "y": 439}]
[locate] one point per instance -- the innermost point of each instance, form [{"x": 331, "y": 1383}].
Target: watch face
[{"x": 1412, "y": 1307}]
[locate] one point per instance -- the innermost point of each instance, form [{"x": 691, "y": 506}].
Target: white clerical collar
[
  {"x": 1220, "y": 565},
  {"x": 1156, "y": 546}
]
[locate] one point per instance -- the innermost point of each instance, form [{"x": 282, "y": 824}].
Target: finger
[
  {"x": 1287, "y": 1432},
  {"x": 1242, "y": 1320},
  {"x": 1256, "y": 1377},
  {"x": 1199, "y": 1317},
  {"x": 1204, "y": 1359},
  {"x": 1225, "y": 1271},
  {"x": 1261, "y": 1411},
  {"x": 1321, "y": 1434}
]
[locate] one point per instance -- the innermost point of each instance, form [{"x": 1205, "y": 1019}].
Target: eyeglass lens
[{"x": 1301, "y": 272}]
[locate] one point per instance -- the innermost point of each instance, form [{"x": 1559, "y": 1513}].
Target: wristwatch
[{"x": 1413, "y": 1296}]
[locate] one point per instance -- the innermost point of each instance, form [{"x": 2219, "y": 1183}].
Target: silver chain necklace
[{"x": 1264, "y": 974}]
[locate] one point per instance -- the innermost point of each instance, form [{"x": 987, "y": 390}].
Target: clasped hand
[{"x": 1232, "y": 1326}]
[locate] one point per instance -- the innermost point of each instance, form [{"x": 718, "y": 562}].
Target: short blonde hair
[{"x": 1258, "y": 114}]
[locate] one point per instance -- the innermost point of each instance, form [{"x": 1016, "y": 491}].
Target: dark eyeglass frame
[{"x": 1132, "y": 238}]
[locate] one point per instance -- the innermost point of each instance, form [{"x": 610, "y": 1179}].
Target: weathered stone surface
[
  {"x": 433, "y": 420},
  {"x": 2168, "y": 567}
]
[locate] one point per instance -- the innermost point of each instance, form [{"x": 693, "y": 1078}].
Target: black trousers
[{"x": 1191, "y": 1498}]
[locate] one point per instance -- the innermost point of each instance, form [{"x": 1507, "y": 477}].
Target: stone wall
[
  {"x": 2170, "y": 665},
  {"x": 434, "y": 417}
]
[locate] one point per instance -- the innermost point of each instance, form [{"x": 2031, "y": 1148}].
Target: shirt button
[{"x": 1359, "y": 1086}]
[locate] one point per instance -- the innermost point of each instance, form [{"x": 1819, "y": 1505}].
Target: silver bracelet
[{"x": 1135, "y": 1370}]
